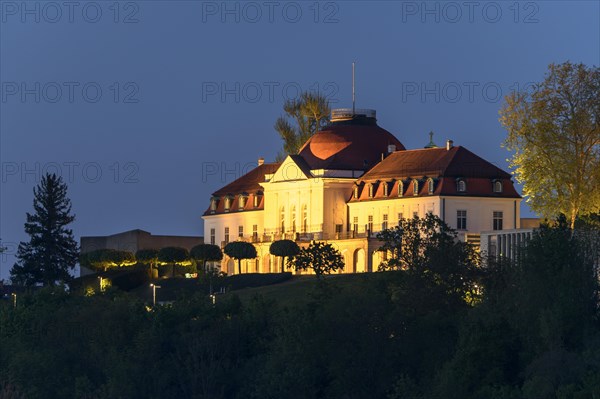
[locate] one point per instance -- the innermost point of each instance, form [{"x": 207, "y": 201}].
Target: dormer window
[
  {"x": 242, "y": 201},
  {"x": 497, "y": 186},
  {"x": 256, "y": 199},
  {"x": 461, "y": 186},
  {"x": 355, "y": 192},
  {"x": 385, "y": 189},
  {"x": 415, "y": 187},
  {"x": 430, "y": 186},
  {"x": 400, "y": 188},
  {"x": 370, "y": 190},
  {"x": 214, "y": 202},
  {"x": 227, "y": 203}
]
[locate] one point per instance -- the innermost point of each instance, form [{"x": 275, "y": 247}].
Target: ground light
[{"x": 154, "y": 287}]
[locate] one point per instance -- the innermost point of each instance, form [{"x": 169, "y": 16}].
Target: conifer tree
[{"x": 51, "y": 251}]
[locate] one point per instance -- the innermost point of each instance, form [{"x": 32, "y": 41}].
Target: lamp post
[
  {"x": 14, "y": 296},
  {"x": 154, "y": 287}
]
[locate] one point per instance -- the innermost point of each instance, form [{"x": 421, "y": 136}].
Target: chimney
[
  {"x": 449, "y": 144},
  {"x": 391, "y": 148},
  {"x": 261, "y": 161}
]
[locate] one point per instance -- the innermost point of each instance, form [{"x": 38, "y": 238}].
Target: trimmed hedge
[{"x": 248, "y": 280}]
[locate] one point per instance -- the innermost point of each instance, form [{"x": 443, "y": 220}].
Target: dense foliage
[
  {"x": 535, "y": 334},
  {"x": 51, "y": 252},
  {"x": 320, "y": 257},
  {"x": 430, "y": 253}
]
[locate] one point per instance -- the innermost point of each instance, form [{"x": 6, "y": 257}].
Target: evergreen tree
[{"x": 51, "y": 251}]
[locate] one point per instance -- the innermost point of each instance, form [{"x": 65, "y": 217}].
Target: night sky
[{"x": 147, "y": 107}]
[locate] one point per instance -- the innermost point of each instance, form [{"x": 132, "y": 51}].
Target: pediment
[{"x": 289, "y": 171}]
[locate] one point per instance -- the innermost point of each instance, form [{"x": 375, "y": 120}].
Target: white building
[{"x": 351, "y": 180}]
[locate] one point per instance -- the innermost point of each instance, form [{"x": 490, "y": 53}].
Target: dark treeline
[{"x": 533, "y": 333}]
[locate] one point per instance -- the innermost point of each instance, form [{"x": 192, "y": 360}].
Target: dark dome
[{"x": 348, "y": 145}]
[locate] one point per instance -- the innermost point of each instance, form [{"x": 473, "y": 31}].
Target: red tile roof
[
  {"x": 457, "y": 162},
  {"x": 246, "y": 186},
  {"x": 249, "y": 182},
  {"x": 348, "y": 147},
  {"x": 443, "y": 166}
]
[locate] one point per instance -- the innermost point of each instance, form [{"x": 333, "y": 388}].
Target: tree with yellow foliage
[{"x": 554, "y": 134}]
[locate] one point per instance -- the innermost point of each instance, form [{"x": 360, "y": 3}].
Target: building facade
[{"x": 351, "y": 180}]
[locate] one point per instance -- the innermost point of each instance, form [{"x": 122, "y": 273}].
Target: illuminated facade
[{"x": 351, "y": 180}]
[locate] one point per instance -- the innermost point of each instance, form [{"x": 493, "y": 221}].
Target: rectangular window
[
  {"x": 461, "y": 220},
  {"x": 212, "y": 236},
  {"x": 226, "y": 235},
  {"x": 355, "y": 224},
  {"x": 255, "y": 230},
  {"x": 384, "y": 224},
  {"x": 338, "y": 228},
  {"x": 240, "y": 231},
  {"x": 415, "y": 214},
  {"x": 400, "y": 217},
  {"x": 497, "y": 220},
  {"x": 370, "y": 224}
]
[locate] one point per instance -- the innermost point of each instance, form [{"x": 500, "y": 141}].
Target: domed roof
[{"x": 355, "y": 144}]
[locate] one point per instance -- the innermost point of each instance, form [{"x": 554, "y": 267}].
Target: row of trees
[
  {"x": 103, "y": 259},
  {"x": 319, "y": 257}
]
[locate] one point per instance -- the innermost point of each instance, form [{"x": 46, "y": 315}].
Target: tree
[
  {"x": 320, "y": 257},
  {"x": 206, "y": 253},
  {"x": 173, "y": 256},
  {"x": 426, "y": 248},
  {"x": 239, "y": 250},
  {"x": 147, "y": 256},
  {"x": 102, "y": 259},
  {"x": 310, "y": 112},
  {"x": 51, "y": 251},
  {"x": 284, "y": 249},
  {"x": 555, "y": 136}
]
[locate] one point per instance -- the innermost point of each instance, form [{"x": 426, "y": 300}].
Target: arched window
[
  {"x": 497, "y": 186},
  {"x": 282, "y": 220},
  {"x": 430, "y": 186},
  {"x": 214, "y": 202},
  {"x": 415, "y": 187},
  {"x": 227, "y": 203},
  {"x": 385, "y": 189},
  {"x": 304, "y": 219},
  {"x": 371, "y": 190},
  {"x": 461, "y": 186},
  {"x": 293, "y": 214},
  {"x": 400, "y": 188}
]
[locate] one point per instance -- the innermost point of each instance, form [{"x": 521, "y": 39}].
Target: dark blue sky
[{"x": 146, "y": 107}]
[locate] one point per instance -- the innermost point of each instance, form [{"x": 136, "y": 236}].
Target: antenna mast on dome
[{"x": 353, "y": 92}]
